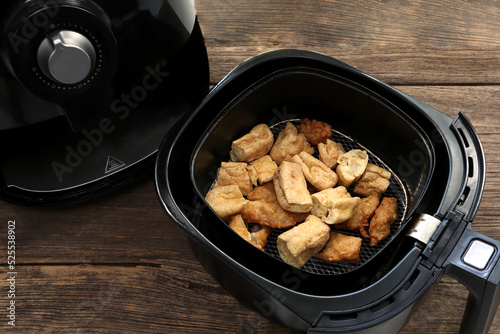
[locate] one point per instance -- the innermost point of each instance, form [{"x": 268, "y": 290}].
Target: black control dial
[
  {"x": 66, "y": 57},
  {"x": 63, "y": 51}
]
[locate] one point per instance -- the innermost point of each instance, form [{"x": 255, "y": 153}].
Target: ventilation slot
[
  {"x": 343, "y": 317},
  {"x": 412, "y": 279},
  {"x": 464, "y": 196},
  {"x": 382, "y": 305},
  {"x": 471, "y": 167}
]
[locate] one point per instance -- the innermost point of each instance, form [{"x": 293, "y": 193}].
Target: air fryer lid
[
  {"x": 91, "y": 89},
  {"x": 439, "y": 160}
]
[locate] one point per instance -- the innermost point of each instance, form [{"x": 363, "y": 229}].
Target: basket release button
[{"x": 478, "y": 254}]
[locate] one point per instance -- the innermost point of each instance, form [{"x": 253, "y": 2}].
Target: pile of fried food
[{"x": 279, "y": 184}]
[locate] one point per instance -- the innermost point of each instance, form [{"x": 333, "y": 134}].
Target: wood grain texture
[
  {"x": 117, "y": 264},
  {"x": 399, "y": 42}
]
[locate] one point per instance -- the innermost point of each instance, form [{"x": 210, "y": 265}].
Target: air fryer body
[
  {"x": 88, "y": 90},
  {"x": 442, "y": 168}
]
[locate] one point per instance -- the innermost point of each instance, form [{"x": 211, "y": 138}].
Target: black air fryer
[
  {"x": 88, "y": 89},
  {"x": 438, "y": 172}
]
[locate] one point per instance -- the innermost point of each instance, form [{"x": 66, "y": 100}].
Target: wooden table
[{"x": 118, "y": 264}]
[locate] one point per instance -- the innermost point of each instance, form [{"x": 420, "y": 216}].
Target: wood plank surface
[
  {"x": 397, "y": 41},
  {"x": 117, "y": 264}
]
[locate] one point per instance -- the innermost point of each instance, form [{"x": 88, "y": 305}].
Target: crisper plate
[{"x": 396, "y": 189}]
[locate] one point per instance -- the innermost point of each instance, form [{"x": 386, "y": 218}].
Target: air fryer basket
[
  {"x": 360, "y": 119},
  {"x": 438, "y": 160}
]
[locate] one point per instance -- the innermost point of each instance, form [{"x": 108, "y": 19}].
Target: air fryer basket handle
[{"x": 474, "y": 263}]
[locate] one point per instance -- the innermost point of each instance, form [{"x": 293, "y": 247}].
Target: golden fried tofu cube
[
  {"x": 234, "y": 173},
  {"x": 297, "y": 245},
  {"x": 362, "y": 213},
  {"x": 315, "y": 131},
  {"x": 253, "y": 145},
  {"x": 291, "y": 188},
  {"x": 371, "y": 184},
  {"x": 259, "y": 235},
  {"x": 378, "y": 170},
  {"x": 330, "y": 152},
  {"x": 264, "y": 168},
  {"x": 264, "y": 192},
  {"x": 341, "y": 247},
  {"x": 226, "y": 201},
  {"x": 268, "y": 214},
  {"x": 375, "y": 181},
  {"x": 334, "y": 205},
  {"x": 316, "y": 172},
  {"x": 256, "y": 235},
  {"x": 239, "y": 226},
  {"x": 385, "y": 215},
  {"x": 253, "y": 175},
  {"x": 351, "y": 166},
  {"x": 289, "y": 143}
]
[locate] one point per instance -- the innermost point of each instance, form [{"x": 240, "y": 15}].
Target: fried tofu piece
[
  {"x": 361, "y": 215},
  {"x": 253, "y": 145},
  {"x": 385, "y": 215},
  {"x": 291, "y": 188},
  {"x": 234, "y": 173},
  {"x": 256, "y": 235},
  {"x": 289, "y": 143},
  {"x": 375, "y": 181},
  {"x": 297, "y": 245},
  {"x": 316, "y": 172},
  {"x": 226, "y": 201},
  {"x": 267, "y": 193},
  {"x": 330, "y": 152},
  {"x": 334, "y": 205},
  {"x": 378, "y": 170},
  {"x": 351, "y": 166},
  {"x": 268, "y": 214},
  {"x": 315, "y": 131},
  {"x": 239, "y": 226},
  {"x": 259, "y": 235},
  {"x": 264, "y": 168},
  {"x": 264, "y": 193},
  {"x": 341, "y": 247},
  {"x": 253, "y": 175}
]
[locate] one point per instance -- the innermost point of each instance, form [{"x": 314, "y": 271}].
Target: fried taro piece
[
  {"x": 291, "y": 188},
  {"x": 316, "y": 173},
  {"x": 256, "y": 235},
  {"x": 330, "y": 152},
  {"x": 289, "y": 143},
  {"x": 226, "y": 201},
  {"x": 361, "y": 215},
  {"x": 269, "y": 214},
  {"x": 351, "y": 166},
  {"x": 315, "y": 131},
  {"x": 234, "y": 173},
  {"x": 341, "y": 247},
  {"x": 253, "y": 145},
  {"x": 385, "y": 215},
  {"x": 334, "y": 205},
  {"x": 264, "y": 169},
  {"x": 375, "y": 181},
  {"x": 297, "y": 245}
]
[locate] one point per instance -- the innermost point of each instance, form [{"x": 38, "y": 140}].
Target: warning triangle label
[{"x": 113, "y": 164}]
